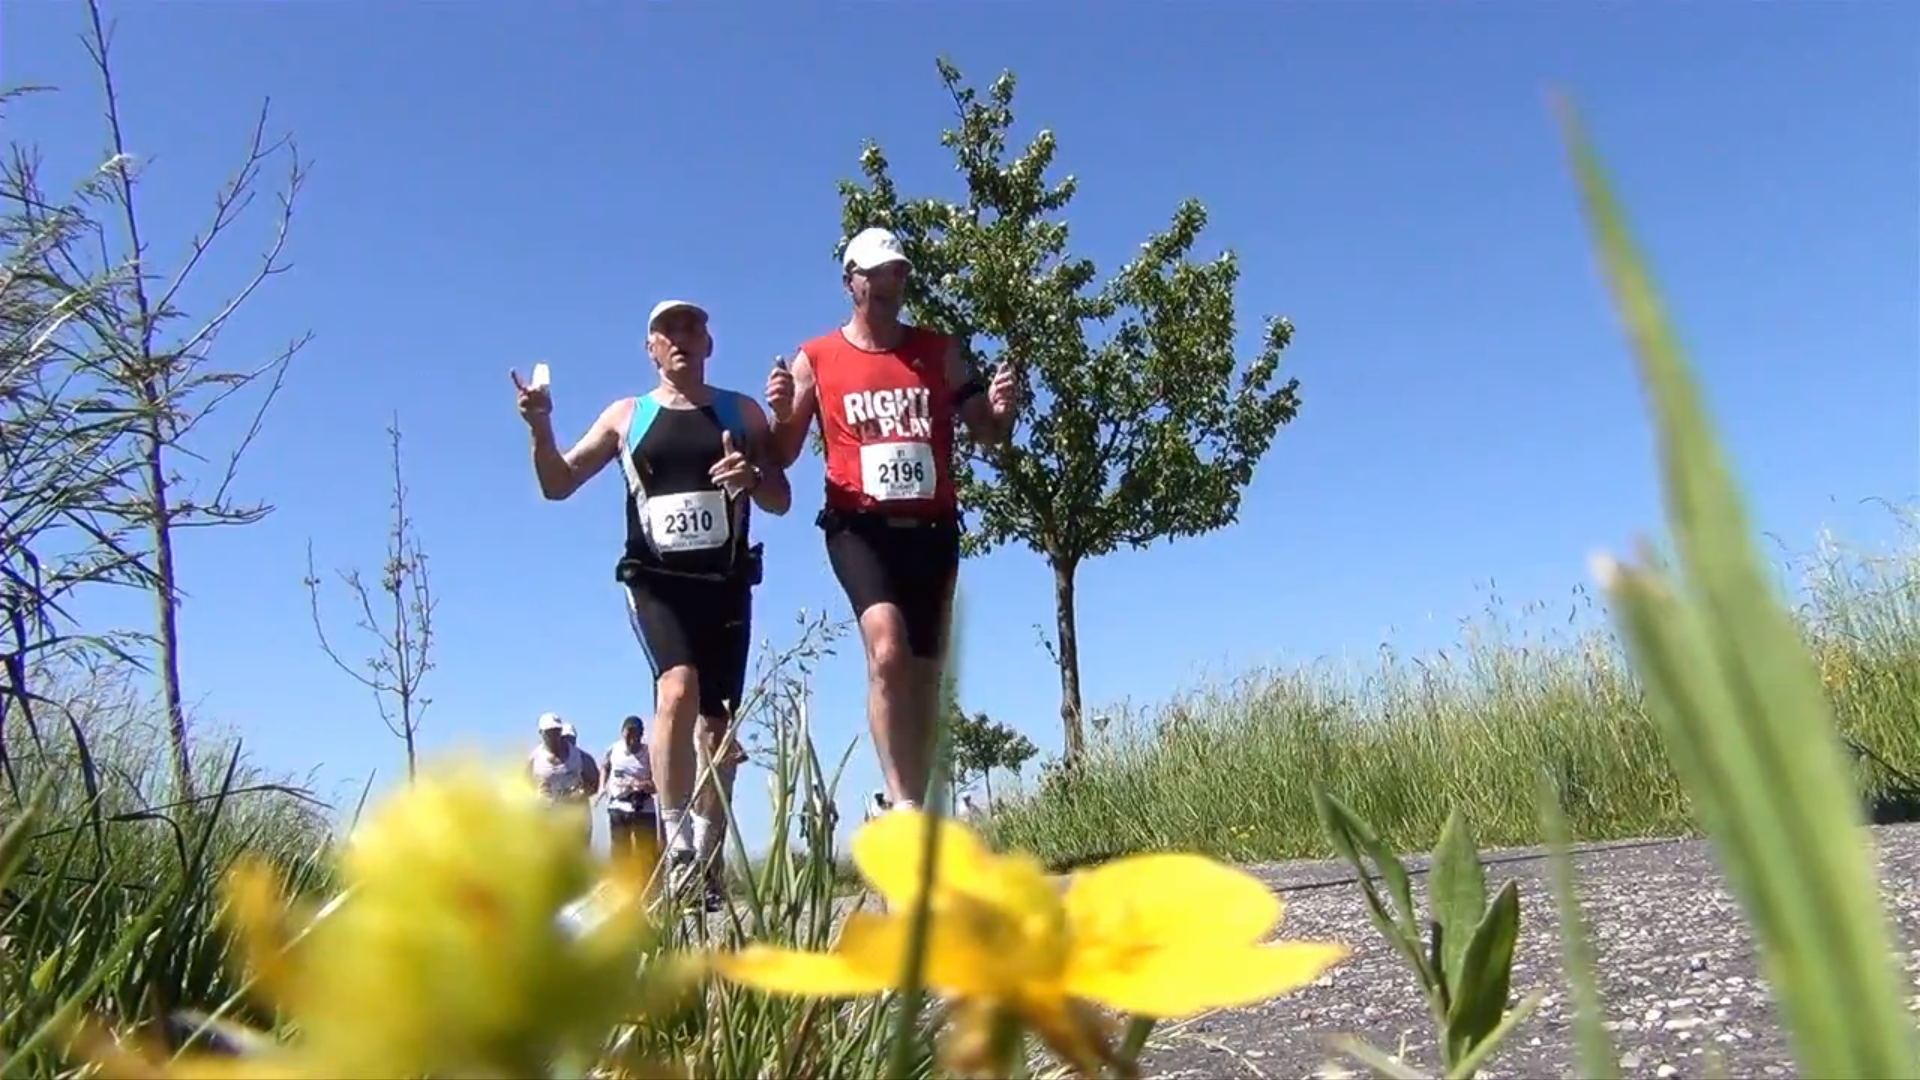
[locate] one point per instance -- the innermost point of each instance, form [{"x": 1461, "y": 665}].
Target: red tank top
[{"x": 888, "y": 422}]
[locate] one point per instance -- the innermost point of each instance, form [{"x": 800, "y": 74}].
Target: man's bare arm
[
  {"x": 985, "y": 426},
  {"x": 561, "y": 475},
  {"x": 790, "y": 434},
  {"x": 773, "y": 493}
]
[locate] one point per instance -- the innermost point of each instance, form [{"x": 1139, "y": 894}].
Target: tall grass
[
  {"x": 1228, "y": 769},
  {"x": 116, "y": 899}
]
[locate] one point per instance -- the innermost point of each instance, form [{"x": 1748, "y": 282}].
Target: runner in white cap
[
  {"x": 890, "y": 399},
  {"x": 558, "y": 770},
  {"x": 695, "y": 457},
  {"x": 592, "y": 769}
]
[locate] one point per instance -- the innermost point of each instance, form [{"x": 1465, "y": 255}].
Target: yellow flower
[
  {"x": 1161, "y": 936},
  {"x": 450, "y": 953}
]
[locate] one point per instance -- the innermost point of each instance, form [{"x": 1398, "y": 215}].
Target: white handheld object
[{"x": 541, "y": 377}]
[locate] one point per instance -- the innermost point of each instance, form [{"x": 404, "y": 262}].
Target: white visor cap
[
  {"x": 665, "y": 306},
  {"x": 874, "y": 247}
]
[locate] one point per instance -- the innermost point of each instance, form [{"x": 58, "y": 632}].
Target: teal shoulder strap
[
  {"x": 727, "y": 406},
  {"x": 645, "y": 408}
]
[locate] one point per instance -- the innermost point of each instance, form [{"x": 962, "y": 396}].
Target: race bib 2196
[{"x": 897, "y": 470}]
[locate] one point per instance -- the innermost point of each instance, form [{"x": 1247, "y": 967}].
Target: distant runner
[
  {"x": 631, "y": 820},
  {"x": 572, "y": 740},
  {"x": 695, "y": 456},
  {"x": 558, "y": 770},
  {"x": 886, "y": 395}
]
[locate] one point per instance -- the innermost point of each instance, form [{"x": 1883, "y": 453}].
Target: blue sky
[{"x": 496, "y": 184}]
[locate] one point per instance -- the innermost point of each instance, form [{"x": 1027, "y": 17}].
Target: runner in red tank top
[{"x": 887, "y": 396}]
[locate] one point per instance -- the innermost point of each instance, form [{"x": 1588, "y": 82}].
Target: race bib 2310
[{"x": 693, "y": 521}]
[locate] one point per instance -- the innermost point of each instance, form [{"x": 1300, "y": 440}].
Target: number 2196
[
  {"x": 902, "y": 472},
  {"x": 680, "y": 522}
]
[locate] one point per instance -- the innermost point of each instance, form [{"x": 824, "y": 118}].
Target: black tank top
[{"x": 678, "y": 519}]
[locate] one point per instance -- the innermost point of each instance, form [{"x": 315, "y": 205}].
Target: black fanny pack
[
  {"x": 748, "y": 569},
  {"x": 833, "y": 520}
]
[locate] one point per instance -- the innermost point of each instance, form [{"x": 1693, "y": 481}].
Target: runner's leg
[
  {"x": 619, "y": 835},
  {"x": 931, "y": 574},
  {"x": 864, "y": 561},
  {"x": 725, "y": 641},
  {"x": 659, "y": 618}
]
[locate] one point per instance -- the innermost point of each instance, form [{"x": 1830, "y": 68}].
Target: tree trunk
[
  {"x": 169, "y": 635},
  {"x": 986, "y": 781},
  {"x": 402, "y": 653},
  {"x": 1069, "y": 659}
]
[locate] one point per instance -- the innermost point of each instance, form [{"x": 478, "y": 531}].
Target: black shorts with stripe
[{"x": 699, "y": 623}]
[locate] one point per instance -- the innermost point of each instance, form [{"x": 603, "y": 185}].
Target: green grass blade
[
  {"x": 906, "y": 1024},
  {"x": 70, "y": 1007},
  {"x": 1749, "y": 730},
  {"x": 13, "y": 842},
  {"x": 1469, "y": 1065},
  {"x": 1381, "y": 1062},
  {"x": 1599, "y": 1059}
]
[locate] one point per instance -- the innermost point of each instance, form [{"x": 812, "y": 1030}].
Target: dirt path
[{"x": 1678, "y": 972}]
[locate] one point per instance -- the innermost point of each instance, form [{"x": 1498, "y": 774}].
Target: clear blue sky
[{"x": 501, "y": 183}]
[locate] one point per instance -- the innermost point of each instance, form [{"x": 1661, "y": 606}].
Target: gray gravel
[{"x": 1678, "y": 972}]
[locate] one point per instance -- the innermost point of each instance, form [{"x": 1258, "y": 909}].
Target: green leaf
[
  {"x": 1599, "y": 1059},
  {"x": 1746, "y": 723},
  {"x": 1350, "y": 836},
  {"x": 1485, "y": 975},
  {"x": 1457, "y": 896},
  {"x": 1470, "y": 1064}
]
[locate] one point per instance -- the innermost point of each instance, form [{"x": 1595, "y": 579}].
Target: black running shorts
[
  {"x": 909, "y": 564},
  {"x": 632, "y": 819},
  {"x": 704, "y": 625}
]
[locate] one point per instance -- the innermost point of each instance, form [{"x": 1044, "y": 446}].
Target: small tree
[
  {"x": 405, "y": 653},
  {"x": 1142, "y": 435},
  {"x": 158, "y": 363},
  {"x": 981, "y": 745}
]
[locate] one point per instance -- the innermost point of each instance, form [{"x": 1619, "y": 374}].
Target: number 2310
[{"x": 680, "y": 522}]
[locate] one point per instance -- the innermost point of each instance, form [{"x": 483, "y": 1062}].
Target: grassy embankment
[{"x": 1227, "y": 769}]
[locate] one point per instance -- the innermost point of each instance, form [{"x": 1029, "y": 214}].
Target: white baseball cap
[
  {"x": 665, "y": 306},
  {"x": 567, "y": 730},
  {"x": 551, "y": 722},
  {"x": 873, "y": 247}
]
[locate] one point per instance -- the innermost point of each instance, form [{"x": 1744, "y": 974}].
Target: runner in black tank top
[
  {"x": 694, "y": 456},
  {"x": 687, "y": 563},
  {"x": 680, "y": 522}
]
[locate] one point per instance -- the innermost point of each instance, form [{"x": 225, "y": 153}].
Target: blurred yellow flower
[
  {"x": 458, "y": 949},
  {"x": 1167, "y": 935}
]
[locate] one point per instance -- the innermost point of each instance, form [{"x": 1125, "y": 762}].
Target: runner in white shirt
[
  {"x": 629, "y": 777},
  {"x": 559, "y": 770},
  {"x": 572, "y": 739}
]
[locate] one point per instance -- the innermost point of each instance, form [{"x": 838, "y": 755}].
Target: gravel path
[{"x": 1677, "y": 971}]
